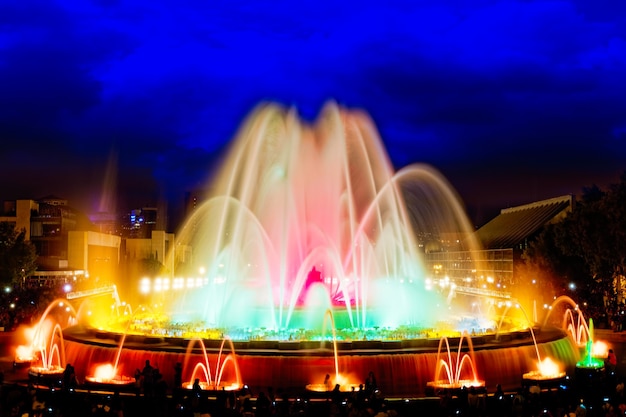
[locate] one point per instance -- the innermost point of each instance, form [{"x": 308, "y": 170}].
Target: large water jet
[{"x": 302, "y": 219}]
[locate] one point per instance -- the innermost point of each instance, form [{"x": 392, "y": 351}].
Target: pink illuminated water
[{"x": 302, "y": 218}]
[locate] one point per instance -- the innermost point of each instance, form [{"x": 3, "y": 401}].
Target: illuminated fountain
[
  {"x": 27, "y": 353},
  {"x": 110, "y": 374},
  {"x": 590, "y": 362},
  {"x": 547, "y": 370},
  {"x": 573, "y": 320},
  {"x": 590, "y": 369},
  {"x": 458, "y": 373},
  {"x": 51, "y": 354},
  {"x": 45, "y": 352},
  {"x": 575, "y": 324},
  {"x": 344, "y": 381},
  {"x": 302, "y": 219},
  {"x": 202, "y": 368}
]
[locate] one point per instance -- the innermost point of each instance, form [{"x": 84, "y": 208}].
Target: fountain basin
[
  {"x": 116, "y": 381},
  {"x": 20, "y": 363},
  {"x": 48, "y": 376},
  {"x": 399, "y": 370},
  {"x": 116, "y": 384},
  {"x": 443, "y": 384},
  {"x": 536, "y": 378},
  {"x": 222, "y": 386}
]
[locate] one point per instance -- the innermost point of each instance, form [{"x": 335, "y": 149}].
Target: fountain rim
[{"x": 88, "y": 335}]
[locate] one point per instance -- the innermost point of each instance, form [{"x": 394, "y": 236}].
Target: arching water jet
[{"x": 202, "y": 368}]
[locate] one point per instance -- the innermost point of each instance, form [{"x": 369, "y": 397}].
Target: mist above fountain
[
  {"x": 305, "y": 222},
  {"x": 302, "y": 218}
]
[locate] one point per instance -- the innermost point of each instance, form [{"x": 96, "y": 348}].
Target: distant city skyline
[{"x": 124, "y": 104}]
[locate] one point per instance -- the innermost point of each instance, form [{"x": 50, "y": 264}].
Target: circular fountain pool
[{"x": 402, "y": 367}]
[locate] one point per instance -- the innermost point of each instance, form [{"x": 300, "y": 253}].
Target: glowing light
[
  {"x": 600, "y": 349},
  {"x": 144, "y": 285},
  {"x": 548, "y": 367},
  {"x": 104, "y": 372},
  {"x": 24, "y": 353}
]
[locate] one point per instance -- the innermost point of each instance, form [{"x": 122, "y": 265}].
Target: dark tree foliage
[
  {"x": 151, "y": 267},
  {"x": 18, "y": 257},
  {"x": 588, "y": 247}
]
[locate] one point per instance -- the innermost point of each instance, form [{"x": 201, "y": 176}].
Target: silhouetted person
[
  {"x": 472, "y": 401},
  {"x": 337, "y": 397},
  {"x": 246, "y": 407},
  {"x": 610, "y": 363},
  {"x": 271, "y": 395},
  {"x": 147, "y": 374},
  {"x": 117, "y": 406},
  {"x": 138, "y": 381},
  {"x": 361, "y": 396},
  {"x": 196, "y": 394},
  {"x": 196, "y": 388},
  {"x": 69, "y": 377},
  {"x": 328, "y": 384},
  {"x": 499, "y": 402},
  {"x": 178, "y": 375},
  {"x": 370, "y": 385},
  {"x": 262, "y": 405},
  {"x": 159, "y": 386},
  {"x": 446, "y": 402}
]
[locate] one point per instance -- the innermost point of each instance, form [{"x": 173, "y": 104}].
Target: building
[
  {"x": 156, "y": 247},
  {"x": 67, "y": 246},
  {"x": 503, "y": 241},
  {"x": 140, "y": 223},
  {"x": 72, "y": 249}
]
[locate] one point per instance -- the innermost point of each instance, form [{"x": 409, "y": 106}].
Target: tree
[
  {"x": 18, "y": 257},
  {"x": 588, "y": 248},
  {"x": 151, "y": 267}
]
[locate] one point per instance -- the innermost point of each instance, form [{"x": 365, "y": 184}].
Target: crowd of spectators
[
  {"x": 600, "y": 396},
  {"x": 24, "y": 305}
]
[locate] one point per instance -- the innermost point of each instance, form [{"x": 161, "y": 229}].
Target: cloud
[{"x": 510, "y": 87}]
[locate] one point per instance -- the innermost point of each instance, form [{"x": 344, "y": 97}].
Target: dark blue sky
[{"x": 513, "y": 101}]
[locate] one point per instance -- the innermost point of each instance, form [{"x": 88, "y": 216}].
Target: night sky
[{"x": 513, "y": 101}]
